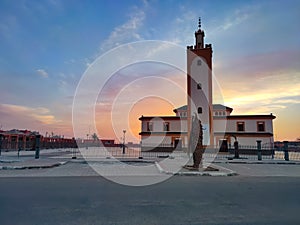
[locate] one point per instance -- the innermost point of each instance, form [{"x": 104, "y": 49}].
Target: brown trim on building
[
  {"x": 245, "y": 117},
  {"x": 219, "y": 117},
  {"x": 245, "y": 134},
  {"x": 251, "y": 117},
  {"x": 163, "y": 133},
  {"x": 143, "y": 118}
]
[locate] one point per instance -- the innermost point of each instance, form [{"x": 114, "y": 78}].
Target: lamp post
[
  {"x": 124, "y": 131},
  {"x": 1, "y": 138},
  {"x": 37, "y": 146},
  {"x": 87, "y": 140}
]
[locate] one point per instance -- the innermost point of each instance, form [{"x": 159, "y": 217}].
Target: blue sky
[{"x": 46, "y": 46}]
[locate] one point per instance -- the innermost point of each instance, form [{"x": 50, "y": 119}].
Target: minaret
[
  {"x": 199, "y": 36},
  {"x": 199, "y": 84}
]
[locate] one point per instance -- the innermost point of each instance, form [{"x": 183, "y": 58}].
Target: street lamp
[
  {"x": 87, "y": 140},
  {"x": 1, "y": 138},
  {"x": 124, "y": 131}
]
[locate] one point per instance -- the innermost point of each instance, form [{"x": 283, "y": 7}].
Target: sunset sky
[{"x": 47, "y": 45}]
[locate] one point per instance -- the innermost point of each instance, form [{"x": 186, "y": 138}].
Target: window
[
  {"x": 166, "y": 126},
  {"x": 199, "y": 110},
  {"x": 260, "y": 126},
  {"x": 199, "y": 62},
  {"x": 224, "y": 113},
  {"x": 240, "y": 126},
  {"x": 199, "y": 86},
  {"x": 149, "y": 126},
  {"x": 216, "y": 113}
]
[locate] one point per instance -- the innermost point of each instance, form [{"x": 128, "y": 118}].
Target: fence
[
  {"x": 250, "y": 152},
  {"x": 210, "y": 153},
  {"x": 258, "y": 152}
]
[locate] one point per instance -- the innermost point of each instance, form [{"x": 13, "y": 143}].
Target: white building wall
[
  {"x": 156, "y": 140},
  {"x": 250, "y": 125},
  {"x": 158, "y": 125},
  {"x": 159, "y": 137},
  {"x": 200, "y": 75},
  {"x": 220, "y": 126},
  {"x": 178, "y": 125},
  {"x": 144, "y": 126},
  {"x": 251, "y": 141}
]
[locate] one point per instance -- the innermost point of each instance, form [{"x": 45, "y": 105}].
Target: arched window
[
  {"x": 199, "y": 86},
  {"x": 199, "y": 110}
]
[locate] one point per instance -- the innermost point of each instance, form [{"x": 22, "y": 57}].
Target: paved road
[{"x": 179, "y": 200}]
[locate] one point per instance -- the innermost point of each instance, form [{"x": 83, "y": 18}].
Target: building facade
[
  {"x": 171, "y": 132},
  {"x": 163, "y": 133},
  {"x": 220, "y": 128}
]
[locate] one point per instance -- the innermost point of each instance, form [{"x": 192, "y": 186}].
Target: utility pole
[{"x": 124, "y": 131}]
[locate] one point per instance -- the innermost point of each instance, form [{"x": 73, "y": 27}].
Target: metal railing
[{"x": 262, "y": 152}]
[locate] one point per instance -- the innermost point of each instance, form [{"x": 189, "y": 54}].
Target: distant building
[
  {"x": 220, "y": 128},
  {"x": 292, "y": 145},
  {"x": 16, "y": 139},
  {"x": 26, "y": 140}
]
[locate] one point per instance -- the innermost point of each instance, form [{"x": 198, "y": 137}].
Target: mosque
[{"x": 220, "y": 127}]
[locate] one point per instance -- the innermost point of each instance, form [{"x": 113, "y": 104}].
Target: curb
[
  {"x": 86, "y": 161},
  {"x": 9, "y": 161},
  {"x": 259, "y": 162},
  {"x": 194, "y": 173},
  {"x": 33, "y": 166}
]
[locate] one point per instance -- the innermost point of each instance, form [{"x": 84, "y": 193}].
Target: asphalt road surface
[{"x": 179, "y": 200}]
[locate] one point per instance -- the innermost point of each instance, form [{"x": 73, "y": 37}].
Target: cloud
[
  {"x": 261, "y": 83},
  {"x": 235, "y": 18},
  {"x": 260, "y": 64},
  {"x": 40, "y": 8},
  {"x": 42, "y": 73},
  {"x": 8, "y": 26},
  {"x": 274, "y": 95},
  {"x": 238, "y": 18},
  {"x": 127, "y": 32},
  {"x": 35, "y": 118},
  {"x": 182, "y": 25},
  {"x": 18, "y": 114},
  {"x": 268, "y": 80},
  {"x": 57, "y": 4}
]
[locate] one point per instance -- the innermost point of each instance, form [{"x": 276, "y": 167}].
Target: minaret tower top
[{"x": 199, "y": 35}]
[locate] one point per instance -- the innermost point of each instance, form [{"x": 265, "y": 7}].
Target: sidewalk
[
  {"x": 26, "y": 160},
  {"x": 171, "y": 165},
  {"x": 13, "y": 164},
  {"x": 55, "y": 158},
  {"x": 211, "y": 170},
  {"x": 256, "y": 161}
]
